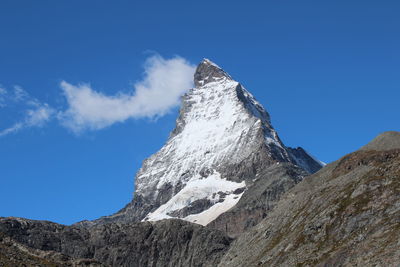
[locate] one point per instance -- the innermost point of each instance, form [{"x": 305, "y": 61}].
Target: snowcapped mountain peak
[
  {"x": 207, "y": 71},
  {"x": 223, "y": 138}
]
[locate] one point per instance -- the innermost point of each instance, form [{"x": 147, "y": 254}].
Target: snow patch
[{"x": 200, "y": 188}]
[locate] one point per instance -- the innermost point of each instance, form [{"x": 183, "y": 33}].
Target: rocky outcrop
[
  {"x": 13, "y": 253},
  {"x": 347, "y": 214},
  {"x": 163, "y": 243}
]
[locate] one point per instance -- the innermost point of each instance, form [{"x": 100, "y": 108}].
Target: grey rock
[
  {"x": 163, "y": 243},
  {"x": 196, "y": 206},
  {"x": 207, "y": 72}
]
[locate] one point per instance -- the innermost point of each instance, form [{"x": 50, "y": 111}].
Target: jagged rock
[
  {"x": 163, "y": 243},
  {"x": 207, "y": 72}
]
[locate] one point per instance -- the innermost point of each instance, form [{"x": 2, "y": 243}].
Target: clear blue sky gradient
[{"x": 327, "y": 72}]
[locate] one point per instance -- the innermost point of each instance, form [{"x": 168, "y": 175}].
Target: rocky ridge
[{"x": 163, "y": 243}]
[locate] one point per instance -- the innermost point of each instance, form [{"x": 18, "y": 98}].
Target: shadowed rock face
[
  {"x": 347, "y": 214},
  {"x": 259, "y": 199},
  {"x": 13, "y": 253},
  {"x": 164, "y": 243}
]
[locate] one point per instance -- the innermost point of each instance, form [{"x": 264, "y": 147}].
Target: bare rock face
[
  {"x": 347, "y": 214},
  {"x": 163, "y": 243},
  {"x": 222, "y": 142},
  {"x": 13, "y": 253},
  {"x": 208, "y": 72}
]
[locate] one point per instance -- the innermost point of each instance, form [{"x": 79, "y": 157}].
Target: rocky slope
[
  {"x": 13, "y": 253},
  {"x": 347, "y": 214},
  {"x": 163, "y": 243},
  {"x": 222, "y": 142}
]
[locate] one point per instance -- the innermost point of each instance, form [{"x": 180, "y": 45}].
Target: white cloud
[
  {"x": 36, "y": 113},
  {"x": 20, "y": 94},
  {"x": 33, "y": 118},
  {"x": 39, "y": 116},
  {"x": 165, "y": 80},
  {"x": 15, "y": 128}
]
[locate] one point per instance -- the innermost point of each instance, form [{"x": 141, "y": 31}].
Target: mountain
[
  {"x": 222, "y": 143},
  {"x": 225, "y": 191},
  {"x": 347, "y": 214}
]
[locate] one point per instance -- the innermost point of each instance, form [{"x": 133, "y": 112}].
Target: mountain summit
[
  {"x": 208, "y": 71},
  {"x": 222, "y": 140}
]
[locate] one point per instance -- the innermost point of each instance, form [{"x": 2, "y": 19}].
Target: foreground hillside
[{"x": 347, "y": 214}]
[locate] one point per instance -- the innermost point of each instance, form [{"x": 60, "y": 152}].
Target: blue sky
[{"x": 326, "y": 71}]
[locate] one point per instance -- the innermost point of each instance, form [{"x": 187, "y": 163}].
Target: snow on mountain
[
  {"x": 223, "y": 138},
  {"x": 220, "y": 125},
  {"x": 217, "y": 130},
  {"x": 199, "y": 188}
]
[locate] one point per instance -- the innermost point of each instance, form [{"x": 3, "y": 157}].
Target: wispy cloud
[
  {"x": 36, "y": 113},
  {"x": 15, "y": 128},
  {"x": 165, "y": 80},
  {"x": 20, "y": 94}
]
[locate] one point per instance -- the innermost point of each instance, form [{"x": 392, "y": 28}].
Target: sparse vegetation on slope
[{"x": 348, "y": 214}]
